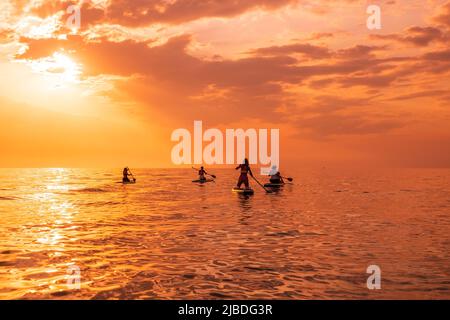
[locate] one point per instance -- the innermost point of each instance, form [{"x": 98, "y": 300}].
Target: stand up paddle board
[
  {"x": 203, "y": 181},
  {"x": 243, "y": 191},
  {"x": 273, "y": 185},
  {"x": 129, "y": 182}
]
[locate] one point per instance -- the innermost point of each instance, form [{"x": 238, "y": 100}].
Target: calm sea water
[{"x": 167, "y": 238}]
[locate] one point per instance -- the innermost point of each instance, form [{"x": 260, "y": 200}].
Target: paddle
[
  {"x": 267, "y": 190},
  {"x": 206, "y": 174},
  {"x": 134, "y": 179}
]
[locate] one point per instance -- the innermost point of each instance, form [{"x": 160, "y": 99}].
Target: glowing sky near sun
[{"x": 111, "y": 93}]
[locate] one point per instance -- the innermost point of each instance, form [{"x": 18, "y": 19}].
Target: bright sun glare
[{"x": 60, "y": 66}]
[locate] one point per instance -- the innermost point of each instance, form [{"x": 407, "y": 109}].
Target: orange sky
[{"x": 111, "y": 93}]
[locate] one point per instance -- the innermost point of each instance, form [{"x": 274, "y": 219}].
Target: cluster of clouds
[{"x": 308, "y": 83}]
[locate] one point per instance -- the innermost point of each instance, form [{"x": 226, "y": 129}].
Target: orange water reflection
[{"x": 166, "y": 237}]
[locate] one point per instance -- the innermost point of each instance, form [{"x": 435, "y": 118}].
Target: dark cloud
[
  {"x": 441, "y": 55},
  {"x": 443, "y": 16},
  {"x": 169, "y": 80},
  {"x": 139, "y": 13},
  {"x": 359, "y": 51},
  {"x": 422, "y": 94},
  {"x": 246, "y": 87},
  {"x": 321, "y": 35},
  {"x": 417, "y": 36}
]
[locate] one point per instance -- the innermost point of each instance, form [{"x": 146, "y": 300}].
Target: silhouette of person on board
[
  {"x": 201, "y": 174},
  {"x": 126, "y": 174},
  {"x": 245, "y": 170},
  {"x": 276, "y": 178}
]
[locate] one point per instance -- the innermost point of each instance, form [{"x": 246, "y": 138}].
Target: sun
[
  {"x": 60, "y": 67},
  {"x": 65, "y": 67},
  {"x": 69, "y": 68}
]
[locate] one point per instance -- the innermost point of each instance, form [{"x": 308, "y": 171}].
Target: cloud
[
  {"x": 443, "y": 16},
  {"x": 422, "y": 94},
  {"x": 328, "y": 125},
  {"x": 359, "y": 51},
  {"x": 330, "y": 104},
  {"x": 255, "y": 86},
  {"x": 321, "y": 35},
  {"x": 6, "y": 35},
  {"x": 270, "y": 83},
  {"x": 171, "y": 63},
  {"x": 306, "y": 50},
  {"x": 319, "y": 52},
  {"x": 417, "y": 36},
  {"x": 374, "y": 80},
  {"x": 329, "y": 116},
  {"x": 155, "y": 73},
  {"x": 138, "y": 13},
  {"x": 441, "y": 55},
  {"x": 436, "y": 62},
  {"x": 325, "y": 87}
]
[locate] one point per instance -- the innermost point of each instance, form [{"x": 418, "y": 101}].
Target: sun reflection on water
[{"x": 57, "y": 212}]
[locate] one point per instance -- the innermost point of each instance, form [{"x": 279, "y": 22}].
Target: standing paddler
[
  {"x": 201, "y": 174},
  {"x": 243, "y": 178}
]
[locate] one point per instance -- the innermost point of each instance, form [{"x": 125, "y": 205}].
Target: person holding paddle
[
  {"x": 201, "y": 174},
  {"x": 243, "y": 178},
  {"x": 126, "y": 174},
  {"x": 276, "y": 178}
]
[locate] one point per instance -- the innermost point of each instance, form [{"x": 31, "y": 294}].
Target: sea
[{"x": 81, "y": 234}]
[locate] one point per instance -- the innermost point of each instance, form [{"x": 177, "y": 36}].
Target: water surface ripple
[{"x": 168, "y": 238}]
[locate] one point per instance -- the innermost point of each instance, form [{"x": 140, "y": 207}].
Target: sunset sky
[{"x": 111, "y": 93}]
